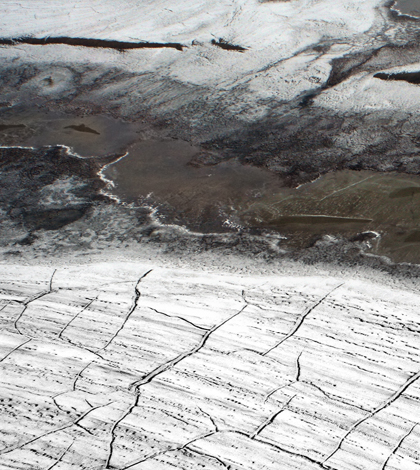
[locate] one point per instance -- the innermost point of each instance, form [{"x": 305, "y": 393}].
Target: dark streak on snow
[
  {"x": 410, "y": 77},
  {"x": 95, "y": 43},
  {"x": 223, "y": 44}
]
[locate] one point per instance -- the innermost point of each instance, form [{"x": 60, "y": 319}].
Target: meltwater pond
[
  {"x": 381, "y": 210},
  {"x": 87, "y": 135},
  {"x": 408, "y": 7}
]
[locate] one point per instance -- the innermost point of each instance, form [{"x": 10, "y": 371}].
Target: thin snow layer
[
  {"x": 364, "y": 93},
  {"x": 131, "y": 366},
  {"x": 271, "y": 32},
  {"x": 243, "y": 21},
  {"x": 281, "y": 60}
]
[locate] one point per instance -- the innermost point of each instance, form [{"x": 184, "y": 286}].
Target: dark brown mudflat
[
  {"x": 410, "y": 77},
  {"x": 405, "y": 192},
  {"x": 407, "y": 8},
  {"x": 317, "y": 220}
]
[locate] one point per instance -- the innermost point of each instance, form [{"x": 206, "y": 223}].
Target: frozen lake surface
[{"x": 146, "y": 366}]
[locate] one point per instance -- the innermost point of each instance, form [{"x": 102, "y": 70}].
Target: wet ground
[
  {"x": 204, "y": 199},
  {"x": 381, "y": 210}
]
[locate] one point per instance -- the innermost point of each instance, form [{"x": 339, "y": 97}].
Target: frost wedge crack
[
  {"x": 204, "y": 454},
  {"x": 275, "y": 390},
  {"x": 75, "y": 317},
  {"x": 114, "y": 428},
  {"x": 399, "y": 444},
  {"x": 15, "y": 349},
  {"x": 296, "y": 454},
  {"x": 270, "y": 420},
  {"x": 84, "y": 429},
  {"x": 388, "y": 402},
  {"x": 213, "y": 422},
  {"x": 32, "y": 299},
  {"x": 179, "y": 318},
  {"x": 301, "y": 319},
  {"x": 181, "y": 447},
  {"x": 60, "y": 458},
  {"x": 332, "y": 397},
  {"x": 298, "y": 367},
  {"x": 158, "y": 371},
  {"x": 79, "y": 375},
  {"x": 53, "y": 431},
  {"x": 170, "y": 449},
  {"x": 173, "y": 362},
  {"x": 136, "y": 298},
  {"x": 296, "y": 379}
]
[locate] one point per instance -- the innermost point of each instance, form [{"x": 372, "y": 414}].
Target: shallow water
[
  {"x": 379, "y": 210},
  {"x": 204, "y": 199},
  {"x": 86, "y": 135},
  {"x": 408, "y": 7},
  {"x": 231, "y": 195}
]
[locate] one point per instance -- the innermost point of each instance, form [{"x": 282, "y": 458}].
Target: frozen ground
[
  {"x": 209, "y": 360},
  {"x": 280, "y": 60},
  {"x": 148, "y": 366}
]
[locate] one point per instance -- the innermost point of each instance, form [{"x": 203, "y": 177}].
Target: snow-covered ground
[
  {"x": 244, "y": 22},
  {"x": 279, "y": 37},
  {"x": 130, "y": 365}
]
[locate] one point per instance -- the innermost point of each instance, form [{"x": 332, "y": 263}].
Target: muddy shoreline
[
  {"x": 223, "y": 166},
  {"x": 62, "y": 211},
  {"x": 408, "y": 8},
  {"x": 111, "y": 163}
]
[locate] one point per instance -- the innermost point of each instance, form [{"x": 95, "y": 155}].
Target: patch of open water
[
  {"x": 408, "y": 7},
  {"x": 86, "y": 135},
  {"x": 229, "y": 196}
]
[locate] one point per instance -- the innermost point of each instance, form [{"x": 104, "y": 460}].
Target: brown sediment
[
  {"x": 89, "y": 135},
  {"x": 405, "y": 192},
  {"x": 317, "y": 220},
  {"x": 378, "y": 210},
  {"x": 408, "y": 8},
  {"x": 410, "y": 77},
  {"x": 413, "y": 237}
]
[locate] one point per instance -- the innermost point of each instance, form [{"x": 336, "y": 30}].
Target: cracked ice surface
[{"x": 131, "y": 366}]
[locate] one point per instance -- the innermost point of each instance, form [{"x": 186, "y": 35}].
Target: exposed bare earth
[
  {"x": 200, "y": 97},
  {"x": 118, "y": 366}
]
